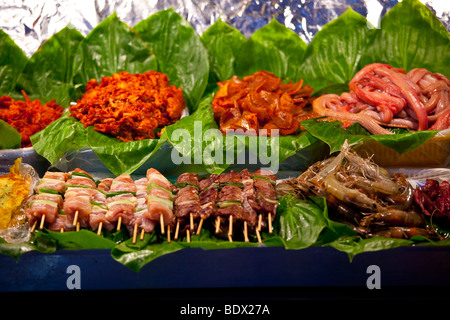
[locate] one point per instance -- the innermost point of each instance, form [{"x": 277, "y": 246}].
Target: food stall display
[{"x": 134, "y": 121}]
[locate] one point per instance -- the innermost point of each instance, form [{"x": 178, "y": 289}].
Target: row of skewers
[{"x": 229, "y": 201}]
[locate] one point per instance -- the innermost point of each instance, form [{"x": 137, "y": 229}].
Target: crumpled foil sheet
[{"x": 31, "y": 22}]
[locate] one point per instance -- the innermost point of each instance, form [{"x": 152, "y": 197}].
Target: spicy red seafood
[
  {"x": 383, "y": 96},
  {"x": 130, "y": 107},
  {"x": 28, "y": 117},
  {"x": 261, "y": 101}
]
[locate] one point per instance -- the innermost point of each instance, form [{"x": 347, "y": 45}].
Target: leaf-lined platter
[{"x": 160, "y": 43}]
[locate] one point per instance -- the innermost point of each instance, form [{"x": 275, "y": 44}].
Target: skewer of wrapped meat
[
  {"x": 187, "y": 203},
  {"x": 209, "y": 191},
  {"x": 45, "y": 205},
  {"x": 160, "y": 199},
  {"x": 264, "y": 182},
  {"x": 105, "y": 184},
  {"x": 249, "y": 203},
  {"x": 97, "y": 218},
  {"x": 121, "y": 200},
  {"x": 80, "y": 190},
  {"x": 229, "y": 200},
  {"x": 141, "y": 217}
]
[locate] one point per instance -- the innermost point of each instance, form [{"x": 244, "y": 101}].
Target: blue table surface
[{"x": 261, "y": 267}]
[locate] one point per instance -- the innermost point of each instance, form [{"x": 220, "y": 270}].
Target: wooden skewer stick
[
  {"x": 135, "y": 232},
  {"x": 41, "y": 226},
  {"x": 75, "y": 219},
  {"x": 142, "y": 234},
  {"x": 99, "y": 230},
  {"x": 217, "y": 224},
  {"x": 230, "y": 228},
  {"x": 192, "y": 221},
  {"x": 61, "y": 230},
  {"x": 78, "y": 226},
  {"x": 258, "y": 235},
  {"x": 119, "y": 223},
  {"x": 200, "y": 226},
  {"x": 259, "y": 222},
  {"x": 270, "y": 223},
  {"x": 245, "y": 232},
  {"x": 230, "y": 238},
  {"x": 177, "y": 229},
  {"x": 161, "y": 221},
  {"x": 188, "y": 235},
  {"x": 168, "y": 233},
  {"x": 33, "y": 226}
]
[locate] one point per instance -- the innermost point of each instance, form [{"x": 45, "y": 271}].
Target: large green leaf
[
  {"x": 179, "y": 51},
  {"x": 10, "y": 138},
  {"x": 48, "y": 73},
  {"x": 66, "y": 134},
  {"x": 334, "y": 135},
  {"x": 304, "y": 223},
  {"x": 410, "y": 36},
  {"x": 332, "y": 57},
  {"x": 12, "y": 62},
  {"x": 121, "y": 157},
  {"x": 273, "y": 48},
  {"x": 111, "y": 47},
  {"x": 224, "y": 44}
]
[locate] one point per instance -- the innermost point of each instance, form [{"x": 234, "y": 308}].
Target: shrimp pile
[
  {"x": 382, "y": 96},
  {"x": 261, "y": 101},
  {"x": 362, "y": 195}
]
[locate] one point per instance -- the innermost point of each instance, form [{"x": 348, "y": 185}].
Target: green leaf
[
  {"x": 304, "y": 223},
  {"x": 83, "y": 239},
  {"x": 10, "y": 138},
  {"x": 121, "y": 157},
  {"x": 48, "y": 73},
  {"x": 12, "y": 62},
  {"x": 179, "y": 51},
  {"x": 411, "y": 36},
  {"x": 272, "y": 48},
  {"x": 66, "y": 134},
  {"x": 111, "y": 47},
  {"x": 224, "y": 44},
  {"x": 197, "y": 137},
  {"x": 332, "y": 58},
  {"x": 332, "y": 133}
]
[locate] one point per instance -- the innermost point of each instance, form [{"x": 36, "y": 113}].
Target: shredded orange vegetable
[
  {"x": 28, "y": 117},
  {"x": 130, "y": 107}
]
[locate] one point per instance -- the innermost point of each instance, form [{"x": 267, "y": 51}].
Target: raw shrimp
[
  {"x": 394, "y": 217},
  {"x": 404, "y": 232},
  {"x": 360, "y": 194}
]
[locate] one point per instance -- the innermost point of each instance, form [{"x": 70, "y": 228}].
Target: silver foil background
[{"x": 31, "y": 22}]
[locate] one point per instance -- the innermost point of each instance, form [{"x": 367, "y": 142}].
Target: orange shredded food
[
  {"x": 261, "y": 101},
  {"x": 128, "y": 106},
  {"x": 28, "y": 117}
]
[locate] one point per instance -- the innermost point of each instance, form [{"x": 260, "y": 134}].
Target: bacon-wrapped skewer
[
  {"x": 160, "y": 199},
  {"x": 80, "y": 192},
  {"x": 141, "y": 218},
  {"x": 121, "y": 200},
  {"x": 97, "y": 218},
  {"x": 187, "y": 203},
  {"x": 47, "y": 201}
]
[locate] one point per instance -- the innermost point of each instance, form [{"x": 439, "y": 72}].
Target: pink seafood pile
[{"x": 382, "y": 96}]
